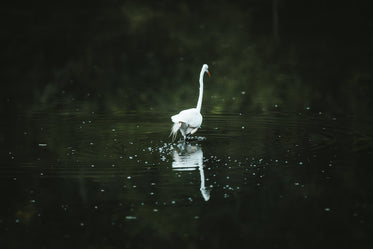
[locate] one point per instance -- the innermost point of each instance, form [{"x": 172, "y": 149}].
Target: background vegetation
[{"x": 146, "y": 55}]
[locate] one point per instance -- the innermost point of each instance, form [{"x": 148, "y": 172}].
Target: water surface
[{"x": 100, "y": 180}]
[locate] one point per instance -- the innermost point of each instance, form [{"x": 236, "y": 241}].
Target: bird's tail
[{"x": 174, "y": 129}]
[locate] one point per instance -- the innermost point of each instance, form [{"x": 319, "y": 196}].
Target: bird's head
[{"x": 205, "y": 68}]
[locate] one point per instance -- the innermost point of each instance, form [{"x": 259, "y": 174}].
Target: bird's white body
[
  {"x": 190, "y": 120},
  {"x": 187, "y": 121}
]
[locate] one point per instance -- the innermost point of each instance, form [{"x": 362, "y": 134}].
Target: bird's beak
[{"x": 208, "y": 72}]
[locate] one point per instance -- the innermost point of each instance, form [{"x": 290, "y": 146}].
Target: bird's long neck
[{"x": 199, "y": 103}]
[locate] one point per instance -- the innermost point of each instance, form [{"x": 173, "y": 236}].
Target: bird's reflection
[{"x": 188, "y": 157}]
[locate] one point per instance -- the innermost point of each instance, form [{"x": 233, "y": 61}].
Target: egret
[{"x": 190, "y": 120}]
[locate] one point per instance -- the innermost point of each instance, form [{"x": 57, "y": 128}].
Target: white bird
[{"x": 190, "y": 120}]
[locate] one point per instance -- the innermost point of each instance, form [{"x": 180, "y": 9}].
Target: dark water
[
  {"x": 272, "y": 179},
  {"x": 283, "y": 158}
]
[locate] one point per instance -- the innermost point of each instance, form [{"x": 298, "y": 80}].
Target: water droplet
[{"x": 130, "y": 217}]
